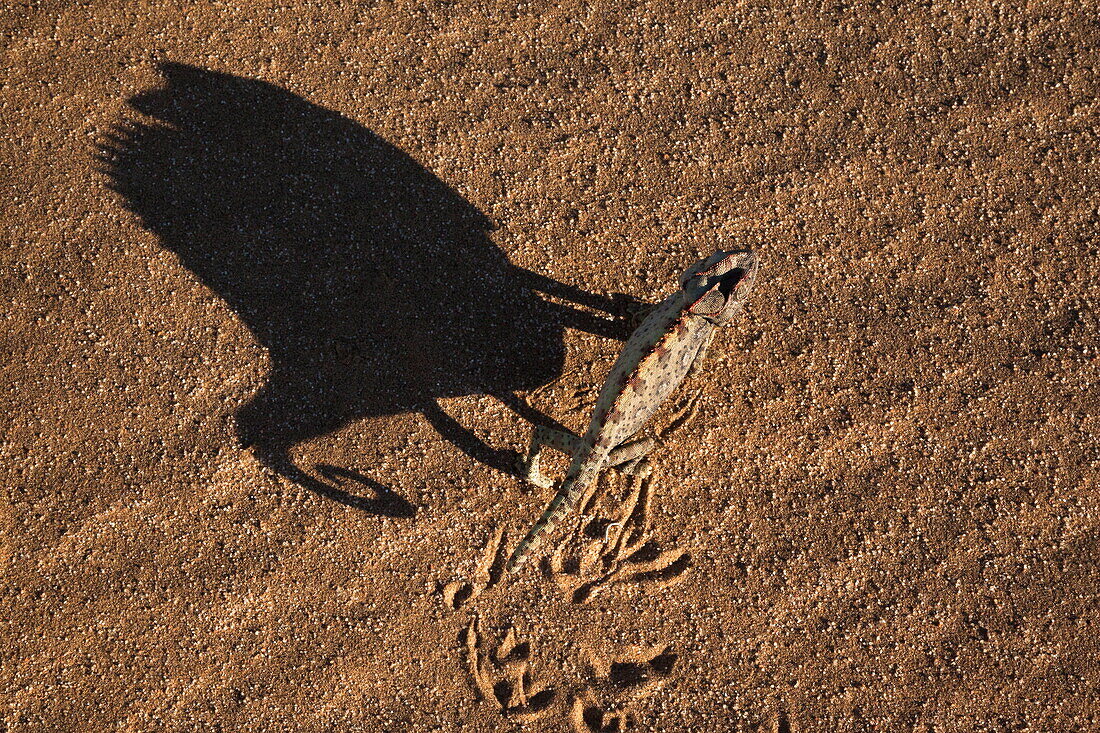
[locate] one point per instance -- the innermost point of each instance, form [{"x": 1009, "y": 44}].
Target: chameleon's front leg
[
  {"x": 632, "y": 311},
  {"x": 543, "y": 437},
  {"x": 688, "y": 408},
  {"x": 700, "y": 355}
]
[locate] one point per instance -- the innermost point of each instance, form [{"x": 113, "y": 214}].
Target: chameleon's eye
[
  {"x": 696, "y": 270},
  {"x": 718, "y": 265},
  {"x": 709, "y": 304}
]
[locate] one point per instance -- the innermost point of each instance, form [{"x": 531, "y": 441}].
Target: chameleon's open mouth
[{"x": 729, "y": 282}]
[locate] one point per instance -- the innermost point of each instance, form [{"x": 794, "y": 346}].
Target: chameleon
[{"x": 666, "y": 347}]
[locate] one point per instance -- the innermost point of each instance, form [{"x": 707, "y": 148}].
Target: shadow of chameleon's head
[{"x": 718, "y": 286}]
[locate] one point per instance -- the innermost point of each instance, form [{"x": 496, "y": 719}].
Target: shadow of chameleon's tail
[{"x": 386, "y": 502}]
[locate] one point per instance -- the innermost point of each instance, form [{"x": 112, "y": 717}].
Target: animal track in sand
[
  {"x": 499, "y": 674},
  {"x": 502, "y": 675},
  {"x": 616, "y": 685},
  {"x": 490, "y": 567},
  {"x": 614, "y": 550},
  {"x": 617, "y": 551}
]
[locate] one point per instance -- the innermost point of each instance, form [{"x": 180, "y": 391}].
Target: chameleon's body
[{"x": 655, "y": 360}]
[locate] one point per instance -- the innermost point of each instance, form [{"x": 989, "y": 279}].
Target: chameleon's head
[{"x": 718, "y": 286}]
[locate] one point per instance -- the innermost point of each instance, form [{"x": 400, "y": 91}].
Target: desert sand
[{"x": 286, "y": 286}]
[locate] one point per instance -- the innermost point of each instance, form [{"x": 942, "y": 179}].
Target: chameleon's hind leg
[
  {"x": 630, "y": 458},
  {"x": 543, "y": 437}
]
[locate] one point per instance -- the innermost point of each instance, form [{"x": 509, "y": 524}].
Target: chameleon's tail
[
  {"x": 555, "y": 510},
  {"x": 581, "y": 473}
]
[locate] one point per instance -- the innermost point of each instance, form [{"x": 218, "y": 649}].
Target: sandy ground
[{"x": 285, "y": 288}]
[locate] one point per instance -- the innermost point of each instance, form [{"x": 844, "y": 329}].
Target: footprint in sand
[
  {"x": 490, "y": 567},
  {"x": 612, "y": 551},
  {"x": 502, "y": 676},
  {"x": 608, "y": 552},
  {"x": 605, "y": 704},
  {"x": 616, "y": 551}
]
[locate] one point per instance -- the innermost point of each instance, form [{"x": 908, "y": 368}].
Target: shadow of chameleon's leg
[
  {"x": 549, "y": 286},
  {"x": 620, "y": 307},
  {"x": 618, "y": 329},
  {"x": 466, "y": 441},
  {"x": 528, "y": 413}
]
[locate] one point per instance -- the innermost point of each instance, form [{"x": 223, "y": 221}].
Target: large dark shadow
[{"x": 372, "y": 284}]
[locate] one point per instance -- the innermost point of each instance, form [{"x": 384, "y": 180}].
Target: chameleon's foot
[
  {"x": 629, "y": 312},
  {"x": 544, "y": 437},
  {"x": 529, "y": 472},
  {"x": 640, "y": 467},
  {"x": 627, "y": 457},
  {"x": 630, "y": 308}
]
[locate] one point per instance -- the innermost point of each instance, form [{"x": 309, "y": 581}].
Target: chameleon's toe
[
  {"x": 541, "y": 481},
  {"x": 631, "y": 310},
  {"x": 640, "y": 467}
]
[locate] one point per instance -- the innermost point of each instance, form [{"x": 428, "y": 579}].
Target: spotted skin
[{"x": 655, "y": 360}]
